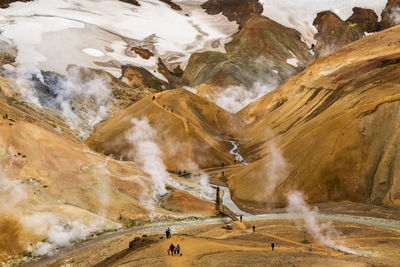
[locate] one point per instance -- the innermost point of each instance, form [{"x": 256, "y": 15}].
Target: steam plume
[
  {"x": 147, "y": 153},
  {"x": 323, "y": 233}
]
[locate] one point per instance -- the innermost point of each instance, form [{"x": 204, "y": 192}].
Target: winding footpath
[{"x": 184, "y": 121}]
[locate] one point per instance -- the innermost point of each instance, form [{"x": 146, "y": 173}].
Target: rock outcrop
[
  {"x": 261, "y": 48},
  {"x": 143, "y": 52},
  {"x": 133, "y": 2},
  {"x": 235, "y": 10},
  {"x": 6, "y": 3},
  {"x": 173, "y": 5},
  {"x": 366, "y": 19},
  {"x": 138, "y": 77},
  {"x": 334, "y": 33}
]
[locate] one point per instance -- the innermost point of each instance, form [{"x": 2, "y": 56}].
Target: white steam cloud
[
  {"x": 147, "y": 153},
  {"x": 324, "y": 233},
  {"x": 395, "y": 15},
  {"x": 276, "y": 167},
  {"x": 92, "y": 96},
  {"x": 206, "y": 190},
  {"x": 82, "y": 102},
  {"x": 59, "y": 231},
  {"x": 234, "y": 98}
]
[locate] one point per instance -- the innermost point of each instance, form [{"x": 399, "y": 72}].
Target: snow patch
[
  {"x": 93, "y": 52},
  {"x": 52, "y": 34},
  {"x": 190, "y": 89},
  {"x": 300, "y": 14},
  {"x": 395, "y": 15},
  {"x": 292, "y": 61}
]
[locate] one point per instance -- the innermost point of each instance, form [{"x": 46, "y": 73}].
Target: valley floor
[{"x": 209, "y": 243}]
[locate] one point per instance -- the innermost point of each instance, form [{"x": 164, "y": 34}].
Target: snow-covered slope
[
  {"x": 51, "y": 34},
  {"x": 300, "y": 14}
]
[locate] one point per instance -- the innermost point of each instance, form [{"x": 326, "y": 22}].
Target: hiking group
[{"x": 172, "y": 250}]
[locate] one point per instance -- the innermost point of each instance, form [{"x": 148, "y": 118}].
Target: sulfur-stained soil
[{"x": 215, "y": 245}]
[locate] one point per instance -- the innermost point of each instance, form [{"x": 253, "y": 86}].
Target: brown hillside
[
  {"x": 186, "y": 135},
  {"x": 337, "y": 125}
]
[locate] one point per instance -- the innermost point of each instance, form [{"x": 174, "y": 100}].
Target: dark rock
[
  {"x": 178, "y": 71},
  {"x": 138, "y": 77},
  {"x": 133, "y": 2},
  {"x": 334, "y": 33},
  {"x": 172, "y": 5},
  {"x": 6, "y": 3},
  {"x": 174, "y": 80},
  {"x": 235, "y": 10},
  {"x": 143, "y": 52},
  {"x": 365, "y": 18}
]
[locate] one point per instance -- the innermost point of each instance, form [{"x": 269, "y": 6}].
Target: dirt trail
[
  {"x": 192, "y": 247},
  {"x": 184, "y": 121}
]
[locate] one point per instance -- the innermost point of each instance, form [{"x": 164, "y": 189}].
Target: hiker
[
  {"x": 241, "y": 218},
  {"x": 178, "y": 249},
  {"x": 154, "y": 97},
  {"x": 234, "y": 161},
  {"x": 168, "y": 250},
  {"x": 166, "y": 233},
  {"x": 172, "y": 111},
  {"x": 310, "y": 248},
  {"x": 172, "y": 247},
  {"x": 5, "y": 116},
  {"x": 223, "y": 173},
  {"x": 169, "y": 232},
  {"x": 222, "y": 164},
  {"x": 163, "y": 106},
  {"x": 273, "y": 246},
  {"x": 254, "y": 228}
]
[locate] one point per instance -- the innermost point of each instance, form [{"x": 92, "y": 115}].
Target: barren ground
[{"x": 213, "y": 245}]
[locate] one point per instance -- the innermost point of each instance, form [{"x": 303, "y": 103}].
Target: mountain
[
  {"x": 260, "y": 40},
  {"x": 117, "y": 113},
  {"x": 187, "y": 127},
  {"x": 336, "y": 126}
]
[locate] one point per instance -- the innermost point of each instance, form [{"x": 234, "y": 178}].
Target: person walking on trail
[
  {"x": 310, "y": 248},
  {"x": 154, "y": 97},
  {"x": 172, "y": 248},
  {"x": 166, "y": 233},
  {"x": 254, "y": 228},
  {"x": 178, "y": 249},
  {"x": 169, "y": 232},
  {"x": 273, "y": 246}
]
